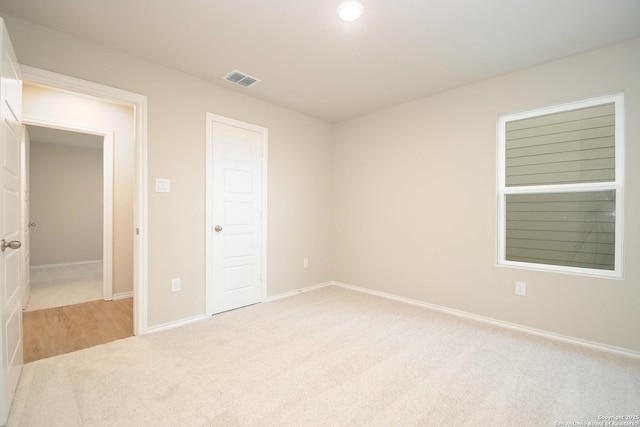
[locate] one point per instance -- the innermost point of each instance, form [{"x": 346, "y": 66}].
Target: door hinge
[{"x": 137, "y": 231}]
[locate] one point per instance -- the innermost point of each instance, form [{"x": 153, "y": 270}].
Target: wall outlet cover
[{"x": 163, "y": 185}]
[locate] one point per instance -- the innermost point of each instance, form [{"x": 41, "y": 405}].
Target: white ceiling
[{"x": 310, "y": 61}]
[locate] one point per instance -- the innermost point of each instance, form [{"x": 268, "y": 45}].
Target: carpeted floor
[
  {"x": 59, "y": 286},
  {"x": 329, "y": 357}
]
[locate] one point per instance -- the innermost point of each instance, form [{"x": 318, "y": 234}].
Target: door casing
[
  {"x": 107, "y": 194},
  {"x": 139, "y": 103},
  {"x": 24, "y": 217}
]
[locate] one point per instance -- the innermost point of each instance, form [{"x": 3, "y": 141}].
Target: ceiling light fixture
[{"x": 350, "y": 11}]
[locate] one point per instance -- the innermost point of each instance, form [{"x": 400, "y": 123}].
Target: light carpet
[
  {"x": 58, "y": 286},
  {"x": 329, "y": 357}
]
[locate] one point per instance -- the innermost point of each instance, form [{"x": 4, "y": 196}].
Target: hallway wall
[{"x": 66, "y": 204}]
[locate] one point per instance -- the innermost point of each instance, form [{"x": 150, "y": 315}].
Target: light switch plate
[{"x": 163, "y": 185}]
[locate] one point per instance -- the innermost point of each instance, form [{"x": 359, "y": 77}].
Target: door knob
[
  {"x": 218, "y": 228},
  {"x": 32, "y": 224},
  {"x": 14, "y": 244}
]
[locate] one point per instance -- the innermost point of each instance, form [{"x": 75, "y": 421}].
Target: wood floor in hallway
[{"x": 62, "y": 330}]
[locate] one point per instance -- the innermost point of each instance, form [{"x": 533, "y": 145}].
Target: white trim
[
  {"x": 25, "y": 260},
  {"x": 122, "y": 295},
  {"x": 199, "y": 317},
  {"x": 458, "y": 313},
  {"x": 208, "y": 249},
  {"x": 576, "y": 271},
  {"x": 107, "y": 216},
  {"x": 618, "y": 186},
  {"x": 139, "y": 104},
  {"x": 265, "y": 210},
  {"x": 210, "y": 118},
  {"x": 176, "y": 324},
  {"x": 560, "y": 188},
  {"x": 47, "y": 78},
  {"x": 507, "y": 325},
  {"x": 65, "y": 264},
  {"x": 565, "y": 106},
  {"x": 107, "y": 192},
  {"x": 298, "y": 291}
]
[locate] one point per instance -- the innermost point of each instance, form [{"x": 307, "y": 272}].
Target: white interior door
[
  {"x": 25, "y": 260},
  {"x": 10, "y": 292},
  {"x": 236, "y": 208}
]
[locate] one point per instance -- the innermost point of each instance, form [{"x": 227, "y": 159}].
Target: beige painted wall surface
[
  {"x": 415, "y": 202},
  {"x": 66, "y": 204},
  {"x": 299, "y": 160},
  {"x": 72, "y": 109},
  {"x": 410, "y": 190}
]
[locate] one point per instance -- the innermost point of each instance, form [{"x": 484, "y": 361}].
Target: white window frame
[{"x": 618, "y": 186}]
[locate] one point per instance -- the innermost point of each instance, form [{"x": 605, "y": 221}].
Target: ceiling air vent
[{"x": 241, "y": 79}]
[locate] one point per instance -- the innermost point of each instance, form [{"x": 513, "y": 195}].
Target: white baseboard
[
  {"x": 297, "y": 291},
  {"x": 65, "y": 264},
  {"x": 513, "y": 326},
  {"x": 199, "y": 317},
  {"x": 122, "y": 295},
  {"x": 176, "y": 324},
  {"x": 507, "y": 325}
]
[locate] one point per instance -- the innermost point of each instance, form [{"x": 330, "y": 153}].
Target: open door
[{"x": 10, "y": 224}]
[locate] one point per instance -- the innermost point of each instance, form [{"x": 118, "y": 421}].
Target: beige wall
[
  {"x": 298, "y": 169},
  {"x": 72, "y": 109},
  {"x": 66, "y": 204},
  {"x": 402, "y": 201},
  {"x": 415, "y": 202}
]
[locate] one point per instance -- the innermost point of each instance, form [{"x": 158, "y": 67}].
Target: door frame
[
  {"x": 25, "y": 257},
  {"x": 264, "y": 132},
  {"x": 139, "y": 103},
  {"x": 107, "y": 192}
]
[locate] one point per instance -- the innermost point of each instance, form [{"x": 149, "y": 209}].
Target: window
[{"x": 560, "y": 187}]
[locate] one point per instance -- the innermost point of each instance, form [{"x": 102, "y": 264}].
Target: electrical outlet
[
  {"x": 163, "y": 185},
  {"x": 305, "y": 263},
  {"x": 521, "y": 289},
  {"x": 175, "y": 285}
]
